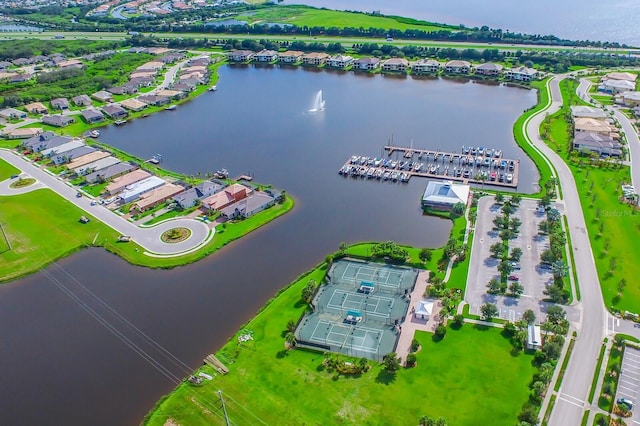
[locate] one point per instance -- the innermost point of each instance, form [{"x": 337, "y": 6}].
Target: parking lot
[
  {"x": 483, "y": 267},
  {"x": 629, "y": 381}
]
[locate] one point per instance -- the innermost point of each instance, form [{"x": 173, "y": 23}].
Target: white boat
[
  {"x": 94, "y": 133},
  {"x": 171, "y": 107},
  {"x": 212, "y": 88}
]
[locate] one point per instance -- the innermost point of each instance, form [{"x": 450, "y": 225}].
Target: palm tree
[
  {"x": 290, "y": 339},
  {"x": 559, "y": 269}
]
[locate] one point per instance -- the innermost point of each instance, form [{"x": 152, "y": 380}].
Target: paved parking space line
[{"x": 625, "y": 387}]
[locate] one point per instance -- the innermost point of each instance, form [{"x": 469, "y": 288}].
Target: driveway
[{"x": 148, "y": 238}]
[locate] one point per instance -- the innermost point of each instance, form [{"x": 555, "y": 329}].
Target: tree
[
  {"x": 553, "y": 215},
  {"x": 496, "y": 250},
  {"x": 552, "y": 349},
  {"x": 363, "y": 364},
  {"x": 458, "y": 208},
  {"x": 342, "y": 247},
  {"x": 308, "y": 291},
  {"x": 291, "y": 325},
  {"x": 516, "y": 254},
  {"x": 515, "y": 199},
  {"x": 555, "y": 314},
  {"x": 441, "y": 330},
  {"x": 290, "y": 339},
  {"x": 515, "y": 223},
  {"x": 391, "y": 362},
  {"x": 559, "y": 269},
  {"x": 411, "y": 359},
  {"x": 425, "y": 255},
  {"x": 488, "y": 311},
  {"x": 505, "y": 267},
  {"x": 507, "y": 209},
  {"x": 458, "y": 320},
  {"x": 548, "y": 257},
  {"x": 545, "y": 201},
  {"x": 493, "y": 286},
  {"x": 556, "y": 294},
  {"x": 529, "y": 316},
  {"x": 499, "y": 197},
  {"x": 516, "y": 289}
]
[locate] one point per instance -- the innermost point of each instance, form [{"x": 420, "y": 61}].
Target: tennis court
[
  {"x": 371, "y": 305},
  {"x": 359, "y": 339},
  {"x": 382, "y": 276}
]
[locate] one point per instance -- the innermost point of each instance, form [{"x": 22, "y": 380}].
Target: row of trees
[{"x": 553, "y": 257}]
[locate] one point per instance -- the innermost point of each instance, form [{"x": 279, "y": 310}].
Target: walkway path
[{"x": 148, "y": 238}]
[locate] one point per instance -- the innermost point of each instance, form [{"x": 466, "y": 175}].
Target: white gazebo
[{"x": 423, "y": 310}]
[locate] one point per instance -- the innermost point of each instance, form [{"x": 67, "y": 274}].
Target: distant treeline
[{"x": 13, "y": 49}]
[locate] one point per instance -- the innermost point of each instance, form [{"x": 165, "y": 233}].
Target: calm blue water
[{"x": 611, "y": 20}]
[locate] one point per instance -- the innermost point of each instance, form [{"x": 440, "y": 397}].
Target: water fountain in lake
[{"x": 318, "y": 103}]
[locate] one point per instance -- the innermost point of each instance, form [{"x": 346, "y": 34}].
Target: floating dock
[
  {"x": 474, "y": 165},
  {"x": 216, "y": 364}
]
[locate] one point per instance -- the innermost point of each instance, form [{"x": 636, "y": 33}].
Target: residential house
[
  {"x": 425, "y": 66},
  {"x": 184, "y": 87},
  {"x": 143, "y": 74},
  {"x": 102, "y": 96},
  {"x": 521, "y": 74},
  {"x": 109, "y": 172},
  {"x": 240, "y": 55},
  {"x": 190, "y": 197},
  {"x": 122, "y": 90},
  {"x": 150, "y": 66},
  {"x": 200, "y": 61},
  {"x": 581, "y": 111},
  {"x": 5, "y": 65},
  {"x": 154, "y": 99},
  {"x": 314, "y": 59},
  {"x": 133, "y": 191},
  {"x": 157, "y": 196},
  {"x": 21, "y": 77},
  {"x": 92, "y": 115},
  {"x": 60, "y": 103},
  {"x": 13, "y": 114},
  {"x": 247, "y": 207},
  {"x": 231, "y": 194},
  {"x": 395, "y": 65},
  {"x": 57, "y": 120},
  {"x": 290, "y": 57},
  {"x": 96, "y": 166},
  {"x": 457, "y": 67},
  {"x": 71, "y": 63},
  {"x": 630, "y": 99},
  {"x": 171, "y": 94},
  {"x": 36, "y": 108},
  {"x": 22, "y": 133},
  {"x": 195, "y": 69},
  {"x": 627, "y": 76},
  {"x": 7, "y": 76},
  {"x": 340, "y": 61},
  {"x": 43, "y": 141},
  {"x": 489, "y": 69},
  {"x": 534, "y": 337},
  {"x": 115, "y": 112},
  {"x": 120, "y": 183},
  {"x": 133, "y": 104},
  {"x": 598, "y": 143},
  {"x": 444, "y": 195},
  {"x": 20, "y": 62},
  {"x": 81, "y": 100},
  {"x": 366, "y": 64},
  {"x": 89, "y": 158},
  {"x": 593, "y": 125},
  {"x": 616, "y": 86},
  {"x": 60, "y": 149},
  {"x": 141, "y": 82},
  {"x": 266, "y": 55},
  {"x": 65, "y": 157}
]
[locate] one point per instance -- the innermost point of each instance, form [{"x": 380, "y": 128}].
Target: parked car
[
  {"x": 627, "y": 402},
  {"x": 14, "y": 176},
  {"x": 515, "y": 265},
  {"x": 79, "y": 194},
  {"x": 514, "y": 277}
]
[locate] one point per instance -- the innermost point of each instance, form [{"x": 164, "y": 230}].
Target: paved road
[
  {"x": 593, "y": 325},
  {"x": 148, "y": 238}
]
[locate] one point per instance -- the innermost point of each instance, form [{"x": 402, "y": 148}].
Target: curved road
[{"x": 148, "y": 238}]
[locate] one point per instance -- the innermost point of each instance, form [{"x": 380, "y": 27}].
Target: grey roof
[
  {"x": 587, "y": 111},
  {"x": 187, "y": 198},
  {"x": 109, "y": 172},
  {"x": 595, "y": 140},
  {"x": 46, "y": 140},
  {"x": 208, "y": 187},
  {"x": 81, "y": 100},
  {"x": 57, "y": 120},
  {"x": 5, "y": 64},
  {"x": 90, "y": 114},
  {"x": 153, "y": 99},
  {"x": 248, "y": 205},
  {"x": 77, "y": 152},
  {"x": 113, "y": 110},
  {"x": 489, "y": 66},
  {"x": 60, "y": 102}
]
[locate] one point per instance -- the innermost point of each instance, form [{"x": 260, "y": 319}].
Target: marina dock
[{"x": 473, "y": 165}]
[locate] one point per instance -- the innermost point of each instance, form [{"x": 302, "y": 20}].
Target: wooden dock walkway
[
  {"x": 216, "y": 364},
  {"x": 409, "y": 162}
]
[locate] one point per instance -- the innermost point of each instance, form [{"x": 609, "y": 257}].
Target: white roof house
[
  {"x": 423, "y": 309},
  {"x": 135, "y": 190},
  {"x": 96, "y": 165},
  {"x": 534, "y": 338},
  {"x": 62, "y": 148},
  {"x": 579, "y": 111},
  {"x": 616, "y": 86},
  {"x": 444, "y": 195}
]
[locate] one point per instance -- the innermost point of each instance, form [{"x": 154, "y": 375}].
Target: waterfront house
[
  {"x": 226, "y": 197},
  {"x": 36, "y": 108},
  {"x": 581, "y": 111},
  {"x": 13, "y": 114},
  {"x": 184, "y": 87},
  {"x": 133, "y": 191},
  {"x": 616, "y": 86},
  {"x": 265, "y": 55},
  {"x": 171, "y": 94},
  {"x": 120, "y": 183},
  {"x": 598, "y": 143},
  {"x": 43, "y": 141},
  {"x": 593, "y": 125},
  {"x": 190, "y": 197},
  {"x": 65, "y": 157},
  {"x": 157, "y": 196},
  {"x": 57, "y": 120},
  {"x": 366, "y": 64},
  {"x": 87, "y": 159},
  {"x": 534, "y": 338},
  {"x": 107, "y": 173},
  {"x": 489, "y": 69},
  {"x": 248, "y": 206},
  {"x": 340, "y": 61},
  {"x": 61, "y": 149},
  {"x": 102, "y": 96},
  {"x": 630, "y": 99},
  {"x": 92, "y": 115},
  {"x": 154, "y": 99},
  {"x": 22, "y": 133},
  {"x": 290, "y": 57},
  {"x": 114, "y": 111},
  {"x": 425, "y": 66},
  {"x": 95, "y": 166},
  {"x": 133, "y": 105},
  {"x": 195, "y": 68},
  {"x": 621, "y": 76},
  {"x": 521, "y": 74},
  {"x": 314, "y": 59},
  {"x": 60, "y": 103},
  {"x": 200, "y": 61},
  {"x": 395, "y": 65},
  {"x": 457, "y": 67},
  {"x": 81, "y": 100},
  {"x": 240, "y": 55},
  {"x": 444, "y": 195}
]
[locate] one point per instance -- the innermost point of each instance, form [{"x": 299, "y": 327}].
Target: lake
[
  {"x": 81, "y": 342},
  {"x": 613, "y": 20}
]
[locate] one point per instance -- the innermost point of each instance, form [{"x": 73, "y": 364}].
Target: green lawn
[
  {"x": 455, "y": 378},
  {"x": 7, "y": 170},
  {"x": 311, "y": 17}
]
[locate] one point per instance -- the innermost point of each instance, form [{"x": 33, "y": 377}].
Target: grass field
[
  {"x": 311, "y": 17},
  {"x": 293, "y": 387},
  {"x": 7, "y": 170}
]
